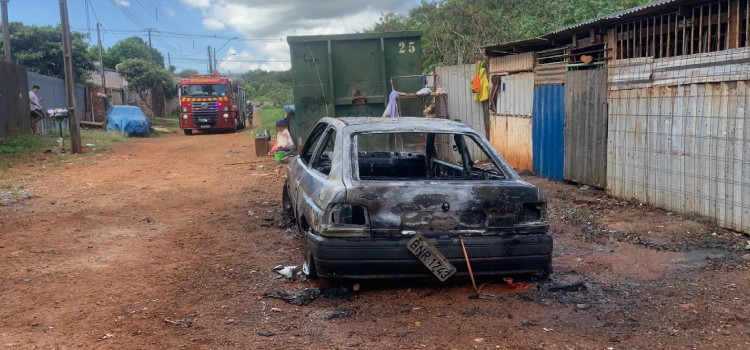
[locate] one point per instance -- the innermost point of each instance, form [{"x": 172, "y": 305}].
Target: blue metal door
[{"x": 548, "y": 130}]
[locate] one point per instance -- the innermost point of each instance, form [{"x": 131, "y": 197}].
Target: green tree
[
  {"x": 39, "y": 48},
  {"x": 273, "y": 86},
  {"x": 456, "y": 30},
  {"x": 187, "y": 73},
  {"x": 129, "y": 48},
  {"x": 142, "y": 76}
]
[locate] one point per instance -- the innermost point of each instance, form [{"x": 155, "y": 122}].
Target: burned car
[{"x": 403, "y": 198}]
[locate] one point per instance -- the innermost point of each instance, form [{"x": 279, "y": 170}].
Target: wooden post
[
  {"x": 70, "y": 84},
  {"x": 6, "y": 30}
]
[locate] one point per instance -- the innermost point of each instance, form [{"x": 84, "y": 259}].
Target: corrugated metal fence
[
  {"x": 548, "y": 130},
  {"x": 14, "y": 100},
  {"x": 510, "y": 126},
  {"x": 53, "y": 92},
  {"x": 685, "y": 147},
  {"x": 456, "y": 81},
  {"x": 586, "y": 127}
]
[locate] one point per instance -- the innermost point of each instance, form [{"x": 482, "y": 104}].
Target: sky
[{"x": 259, "y": 27}]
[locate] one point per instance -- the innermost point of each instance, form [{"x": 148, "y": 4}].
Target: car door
[
  {"x": 298, "y": 168},
  {"x": 321, "y": 184}
]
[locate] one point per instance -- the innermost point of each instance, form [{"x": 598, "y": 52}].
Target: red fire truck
[{"x": 211, "y": 102}]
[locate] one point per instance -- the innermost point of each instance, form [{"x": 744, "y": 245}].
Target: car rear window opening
[{"x": 420, "y": 156}]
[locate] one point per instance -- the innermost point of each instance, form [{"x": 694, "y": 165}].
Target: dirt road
[{"x": 170, "y": 242}]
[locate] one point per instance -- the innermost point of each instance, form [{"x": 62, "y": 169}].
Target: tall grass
[{"x": 267, "y": 117}]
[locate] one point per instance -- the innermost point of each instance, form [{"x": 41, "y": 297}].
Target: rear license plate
[
  {"x": 431, "y": 257},
  {"x": 205, "y": 126}
]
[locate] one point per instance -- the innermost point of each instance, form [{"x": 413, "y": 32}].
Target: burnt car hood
[{"x": 439, "y": 208}]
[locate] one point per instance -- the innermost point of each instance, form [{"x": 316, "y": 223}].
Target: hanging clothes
[
  {"x": 392, "y": 104},
  {"x": 483, "y": 93}
]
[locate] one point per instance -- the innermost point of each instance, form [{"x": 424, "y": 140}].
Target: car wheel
[
  {"x": 188, "y": 132},
  {"x": 308, "y": 265},
  {"x": 286, "y": 200}
]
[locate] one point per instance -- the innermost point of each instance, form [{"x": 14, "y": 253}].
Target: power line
[
  {"x": 173, "y": 34},
  {"x": 240, "y": 61}
]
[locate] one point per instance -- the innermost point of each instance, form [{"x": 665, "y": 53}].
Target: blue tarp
[
  {"x": 289, "y": 109},
  {"x": 129, "y": 120}
]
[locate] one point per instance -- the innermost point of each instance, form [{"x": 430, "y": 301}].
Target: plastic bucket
[{"x": 279, "y": 156}]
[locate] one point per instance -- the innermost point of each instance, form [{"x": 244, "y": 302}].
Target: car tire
[
  {"x": 286, "y": 200},
  {"x": 308, "y": 265},
  {"x": 188, "y": 132}
]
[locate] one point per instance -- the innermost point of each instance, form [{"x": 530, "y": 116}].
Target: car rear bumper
[{"x": 370, "y": 258}]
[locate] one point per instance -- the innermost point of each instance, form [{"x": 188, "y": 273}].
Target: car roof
[{"x": 405, "y": 124}]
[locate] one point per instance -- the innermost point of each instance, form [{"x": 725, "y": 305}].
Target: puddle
[{"x": 620, "y": 259}]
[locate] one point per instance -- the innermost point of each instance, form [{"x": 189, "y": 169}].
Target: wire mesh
[{"x": 679, "y": 112}]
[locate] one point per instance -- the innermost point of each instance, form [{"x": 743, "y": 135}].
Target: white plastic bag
[{"x": 283, "y": 139}]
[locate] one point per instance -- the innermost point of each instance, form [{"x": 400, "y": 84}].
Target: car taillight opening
[
  {"x": 349, "y": 215},
  {"x": 531, "y": 212}
]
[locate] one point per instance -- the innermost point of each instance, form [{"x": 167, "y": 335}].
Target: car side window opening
[
  {"x": 322, "y": 160},
  {"x": 312, "y": 142},
  {"x": 421, "y": 156}
]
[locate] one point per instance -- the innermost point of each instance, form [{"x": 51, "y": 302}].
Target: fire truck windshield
[{"x": 204, "y": 90}]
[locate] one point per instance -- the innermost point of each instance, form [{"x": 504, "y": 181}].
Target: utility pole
[
  {"x": 169, "y": 59},
  {"x": 101, "y": 67},
  {"x": 6, "y": 30},
  {"x": 101, "y": 58},
  {"x": 210, "y": 62},
  {"x": 70, "y": 85},
  {"x": 216, "y": 65},
  {"x": 150, "y": 54}
]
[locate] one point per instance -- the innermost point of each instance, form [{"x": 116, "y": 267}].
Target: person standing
[{"x": 37, "y": 111}]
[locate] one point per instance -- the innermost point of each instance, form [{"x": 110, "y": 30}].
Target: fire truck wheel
[{"x": 188, "y": 132}]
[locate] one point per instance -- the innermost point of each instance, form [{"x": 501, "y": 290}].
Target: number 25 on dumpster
[{"x": 402, "y": 47}]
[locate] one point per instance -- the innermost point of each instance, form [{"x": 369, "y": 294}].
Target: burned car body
[{"x": 361, "y": 188}]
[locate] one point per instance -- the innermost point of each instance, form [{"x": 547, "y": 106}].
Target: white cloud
[
  {"x": 169, "y": 11},
  {"x": 197, "y": 3},
  {"x": 122, "y": 3},
  {"x": 273, "y": 20},
  {"x": 213, "y": 24}
]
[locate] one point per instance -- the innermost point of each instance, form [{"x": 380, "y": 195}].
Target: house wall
[{"x": 677, "y": 134}]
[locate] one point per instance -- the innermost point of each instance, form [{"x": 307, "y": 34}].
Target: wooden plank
[
  {"x": 676, "y": 36},
  {"x": 734, "y": 158},
  {"x": 720, "y": 155},
  {"x": 692, "y": 33},
  {"x": 677, "y": 150},
  {"x": 691, "y": 138},
  {"x": 743, "y": 108},
  {"x": 700, "y": 33},
  {"x": 734, "y": 24},
  {"x": 710, "y": 34},
  {"x": 713, "y": 96},
  {"x": 703, "y": 147}
]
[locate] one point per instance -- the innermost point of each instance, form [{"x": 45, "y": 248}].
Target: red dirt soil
[{"x": 169, "y": 243}]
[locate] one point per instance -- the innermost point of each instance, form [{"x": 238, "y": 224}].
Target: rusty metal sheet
[
  {"x": 586, "y": 127},
  {"x": 512, "y": 138},
  {"x": 550, "y": 73},
  {"x": 512, "y": 63}
]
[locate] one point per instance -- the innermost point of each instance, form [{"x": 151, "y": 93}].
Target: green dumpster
[{"x": 350, "y": 75}]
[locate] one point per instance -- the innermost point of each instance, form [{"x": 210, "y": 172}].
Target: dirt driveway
[{"x": 170, "y": 242}]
